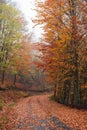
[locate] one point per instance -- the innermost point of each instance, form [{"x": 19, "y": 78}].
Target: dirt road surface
[{"x": 41, "y": 113}]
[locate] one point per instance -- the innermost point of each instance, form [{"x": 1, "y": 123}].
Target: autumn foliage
[
  {"x": 15, "y": 45},
  {"x": 63, "y": 55}
]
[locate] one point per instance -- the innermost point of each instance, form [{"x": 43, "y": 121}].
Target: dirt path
[{"x": 40, "y": 113}]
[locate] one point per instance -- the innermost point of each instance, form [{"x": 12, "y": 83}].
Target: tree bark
[
  {"x": 15, "y": 78},
  {"x": 74, "y": 42},
  {"x": 3, "y": 77}
]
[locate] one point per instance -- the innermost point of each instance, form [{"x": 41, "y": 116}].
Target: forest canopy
[{"x": 64, "y": 50}]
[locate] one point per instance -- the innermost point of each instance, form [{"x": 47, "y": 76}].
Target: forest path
[{"x": 41, "y": 113}]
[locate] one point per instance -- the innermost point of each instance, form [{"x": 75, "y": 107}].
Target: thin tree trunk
[
  {"x": 55, "y": 90},
  {"x": 3, "y": 77},
  {"x": 15, "y": 78}
]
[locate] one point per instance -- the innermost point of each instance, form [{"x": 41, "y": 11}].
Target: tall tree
[
  {"x": 23, "y": 59},
  {"x": 10, "y": 30},
  {"x": 64, "y": 34}
]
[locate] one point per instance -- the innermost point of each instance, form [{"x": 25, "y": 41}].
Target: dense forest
[
  {"x": 12, "y": 48},
  {"x": 43, "y": 64},
  {"x": 60, "y": 60},
  {"x": 15, "y": 49},
  {"x": 63, "y": 55}
]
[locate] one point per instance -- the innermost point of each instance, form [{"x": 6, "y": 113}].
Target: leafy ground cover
[
  {"x": 8, "y": 100},
  {"x": 41, "y": 113}
]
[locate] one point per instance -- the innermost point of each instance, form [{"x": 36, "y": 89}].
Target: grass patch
[
  {"x": 11, "y": 105},
  {"x": 1, "y": 104},
  {"x": 52, "y": 97},
  {"x": 1, "y": 125},
  {"x": 3, "y": 121},
  {"x": 13, "y": 129}
]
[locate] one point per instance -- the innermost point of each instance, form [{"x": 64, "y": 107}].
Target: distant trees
[
  {"x": 10, "y": 36},
  {"x": 23, "y": 59},
  {"x": 63, "y": 51},
  {"x": 14, "y": 46}
]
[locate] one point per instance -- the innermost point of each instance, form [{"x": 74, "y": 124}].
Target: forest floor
[{"x": 41, "y": 113}]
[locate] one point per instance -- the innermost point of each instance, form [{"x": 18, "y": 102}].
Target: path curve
[{"x": 40, "y": 113}]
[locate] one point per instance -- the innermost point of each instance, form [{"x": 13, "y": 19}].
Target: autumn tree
[
  {"x": 63, "y": 46},
  {"x": 23, "y": 59},
  {"x": 10, "y": 30}
]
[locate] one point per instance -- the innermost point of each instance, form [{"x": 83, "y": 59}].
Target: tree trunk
[
  {"x": 55, "y": 90},
  {"x": 3, "y": 77},
  {"x": 14, "y": 79},
  {"x": 76, "y": 82},
  {"x": 74, "y": 45}
]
